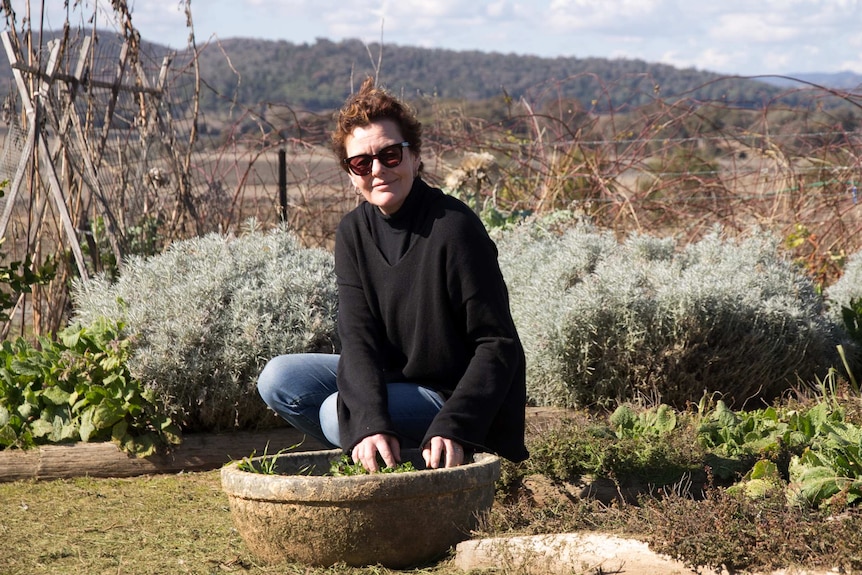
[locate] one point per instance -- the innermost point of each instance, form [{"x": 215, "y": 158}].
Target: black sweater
[{"x": 438, "y": 316}]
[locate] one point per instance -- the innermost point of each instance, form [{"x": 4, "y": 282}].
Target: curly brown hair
[{"x": 371, "y": 104}]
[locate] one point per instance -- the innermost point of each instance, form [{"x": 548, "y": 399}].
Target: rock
[{"x": 566, "y": 553}]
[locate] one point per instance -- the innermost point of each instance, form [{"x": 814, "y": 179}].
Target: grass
[
  {"x": 151, "y": 525},
  {"x": 154, "y": 524}
]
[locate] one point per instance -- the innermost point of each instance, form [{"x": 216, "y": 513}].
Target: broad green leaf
[
  {"x": 56, "y": 395},
  {"x": 816, "y": 486},
  {"x": 69, "y": 430},
  {"x": 171, "y": 433},
  {"x": 726, "y": 417},
  {"x": 756, "y": 488},
  {"x": 7, "y": 435},
  {"x": 665, "y": 419},
  {"x": 70, "y": 338},
  {"x": 623, "y": 418},
  {"x": 110, "y": 379},
  {"x": 813, "y": 481},
  {"x": 86, "y": 429},
  {"x": 26, "y": 370},
  {"x": 133, "y": 409},
  {"x": 142, "y": 446},
  {"x": 41, "y": 428},
  {"x": 79, "y": 404},
  {"x": 107, "y": 413},
  {"x": 4, "y": 416},
  {"x": 770, "y": 413},
  {"x": 96, "y": 394},
  {"x": 120, "y": 430},
  {"x": 764, "y": 469},
  {"x": 25, "y": 410}
]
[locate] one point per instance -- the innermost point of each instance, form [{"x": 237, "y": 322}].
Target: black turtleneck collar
[
  {"x": 407, "y": 209},
  {"x": 394, "y": 233}
]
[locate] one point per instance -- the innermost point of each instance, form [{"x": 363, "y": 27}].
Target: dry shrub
[{"x": 734, "y": 532}]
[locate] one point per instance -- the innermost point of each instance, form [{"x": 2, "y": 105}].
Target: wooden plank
[{"x": 198, "y": 452}]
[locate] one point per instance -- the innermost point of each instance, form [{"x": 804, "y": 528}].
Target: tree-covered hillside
[{"x": 318, "y": 76}]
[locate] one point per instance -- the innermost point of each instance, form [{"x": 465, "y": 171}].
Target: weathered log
[{"x": 198, "y": 452}]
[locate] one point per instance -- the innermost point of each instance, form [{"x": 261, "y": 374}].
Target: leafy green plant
[
  {"x": 655, "y": 450},
  {"x": 79, "y": 388},
  {"x": 824, "y": 466},
  {"x": 265, "y": 464},
  {"x": 655, "y": 422},
  {"x": 342, "y": 466},
  {"x": 765, "y": 431},
  {"x": 812, "y": 455},
  {"x": 345, "y": 467},
  {"x": 829, "y": 470},
  {"x": 19, "y": 277}
]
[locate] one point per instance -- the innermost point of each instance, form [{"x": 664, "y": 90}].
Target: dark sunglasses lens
[
  {"x": 390, "y": 156},
  {"x": 360, "y": 165}
]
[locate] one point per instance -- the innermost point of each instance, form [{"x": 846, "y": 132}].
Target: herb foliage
[{"x": 78, "y": 388}]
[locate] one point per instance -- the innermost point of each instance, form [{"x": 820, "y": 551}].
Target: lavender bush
[
  {"x": 848, "y": 288},
  {"x": 206, "y": 315},
  {"x": 603, "y": 320}
]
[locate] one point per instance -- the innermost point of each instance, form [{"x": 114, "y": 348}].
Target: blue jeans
[{"x": 302, "y": 389}]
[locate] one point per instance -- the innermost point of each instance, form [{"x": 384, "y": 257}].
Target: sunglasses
[{"x": 390, "y": 157}]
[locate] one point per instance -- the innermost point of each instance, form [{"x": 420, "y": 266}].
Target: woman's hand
[
  {"x": 387, "y": 446},
  {"x": 435, "y": 449}
]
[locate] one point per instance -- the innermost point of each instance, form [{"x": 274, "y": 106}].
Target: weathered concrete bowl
[{"x": 396, "y": 520}]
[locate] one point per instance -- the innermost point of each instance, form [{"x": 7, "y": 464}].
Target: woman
[{"x": 430, "y": 356}]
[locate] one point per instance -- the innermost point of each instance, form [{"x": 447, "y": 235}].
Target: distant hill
[
  {"x": 318, "y": 76},
  {"x": 838, "y": 80}
]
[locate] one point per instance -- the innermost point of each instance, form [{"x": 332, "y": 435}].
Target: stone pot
[{"x": 397, "y": 520}]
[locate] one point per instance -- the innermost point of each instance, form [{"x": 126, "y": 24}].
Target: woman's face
[{"x": 386, "y": 188}]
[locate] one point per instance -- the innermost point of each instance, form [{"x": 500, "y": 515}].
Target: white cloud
[
  {"x": 747, "y": 28},
  {"x": 599, "y": 15},
  {"x": 733, "y": 36}
]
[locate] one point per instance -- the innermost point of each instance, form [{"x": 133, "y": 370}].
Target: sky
[{"x": 737, "y": 37}]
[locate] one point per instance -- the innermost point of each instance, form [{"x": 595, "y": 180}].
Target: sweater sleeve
[
  {"x": 362, "y": 398},
  {"x": 490, "y": 393}
]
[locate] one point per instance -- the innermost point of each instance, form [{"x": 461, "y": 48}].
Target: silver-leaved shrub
[
  {"x": 603, "y": 320},
  {"x": 848, "y": 288},
  {"x": 206, "y": 315}
]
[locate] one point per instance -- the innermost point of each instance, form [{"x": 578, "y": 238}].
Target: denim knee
[
  {"x": 329, "y": 420},
  {"x": 271, "y": 380}
]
